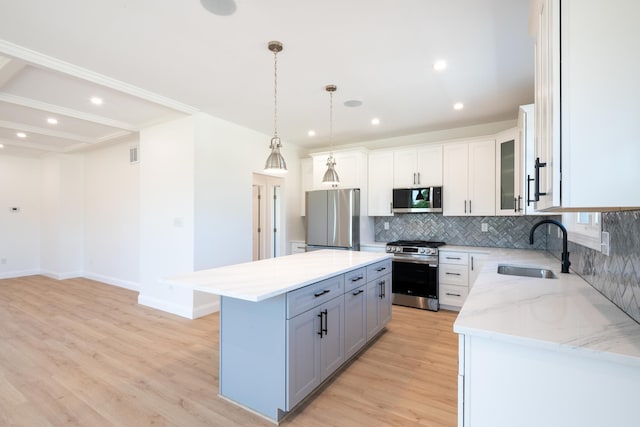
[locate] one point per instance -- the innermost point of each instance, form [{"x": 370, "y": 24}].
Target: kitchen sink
[{"x": 514, "y": 270}]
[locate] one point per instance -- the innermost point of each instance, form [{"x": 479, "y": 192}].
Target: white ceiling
[{"x": 153, "y": 60}]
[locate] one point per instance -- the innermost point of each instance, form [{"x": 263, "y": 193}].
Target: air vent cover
[{"x": 134, "y": 155}]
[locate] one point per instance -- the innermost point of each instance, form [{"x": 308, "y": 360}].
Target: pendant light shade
[
  {"x": 275, "y": 162},
  {"x": 331, "y": 176}
]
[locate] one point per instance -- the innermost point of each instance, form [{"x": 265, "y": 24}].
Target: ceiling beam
[
  {"x": 31, "y": 145},
  {"x": 9, "y": 67},
  {"x": 43, "y": 131}
]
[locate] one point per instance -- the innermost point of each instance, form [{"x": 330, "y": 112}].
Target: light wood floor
[{"x": 78, "y": 352}]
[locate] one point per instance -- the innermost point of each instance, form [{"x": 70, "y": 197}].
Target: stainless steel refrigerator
[{"x": 333, "y": 219}]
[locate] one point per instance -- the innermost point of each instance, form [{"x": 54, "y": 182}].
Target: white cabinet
[
  {"x": 457, "y": 271},
  {"x": 510, "y": 198},
  {"x": 381, "y": 170},
  {"x": 469, "y": 178},
  {"x": 420, "y": 166},
  {"x": 297, "y": 247},
  {"x": 586, "y": 104},
  {"x": 351, "y": 167}
]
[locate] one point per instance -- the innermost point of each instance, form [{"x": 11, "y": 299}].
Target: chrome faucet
[{"x": 565, "y": 253}]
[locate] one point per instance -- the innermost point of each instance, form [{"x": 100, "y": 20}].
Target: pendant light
[
  {"x": 331, "y": 176},
  {"x": 275, "y": 162}
]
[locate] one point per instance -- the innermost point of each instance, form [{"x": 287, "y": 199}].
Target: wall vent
[{"x": 134, "y": 154}]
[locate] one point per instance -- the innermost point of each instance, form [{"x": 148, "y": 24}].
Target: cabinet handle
[
  {"x": 515, "y": 205},
  {"x": 529, "y": 200},
  {"x": 519, "y": 203},
  {"x": 465, "y": 206},
  {"x": 355, "y": 279},
  {"x": 358, "y": 292},
  {"x": 538, "y": 165},
  {"x": 452, "y": 274},
  {"x": 471, "y": 263},
  {"x": 453, "y": 295},
  {"x": 326, "y": 321},
  {"x": 326, "y": 291},
  {"x": 469, "y": 206},
  {"x": 381, "y": 269},
  {"x": 418, "y": 177},
  {"x": 381, "y": 284},
  {"x": 321, "y": 330},
  {"x": 390, "y": 207},
  {"x": 453, "y": 257},
  {"x": 414, "y": 178}
]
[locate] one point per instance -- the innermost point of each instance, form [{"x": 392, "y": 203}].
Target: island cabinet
[{"x": 275, "y": 351}]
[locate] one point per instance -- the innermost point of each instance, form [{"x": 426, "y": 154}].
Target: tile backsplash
[
  {"x": 502, "y": 231},
  {"x": 616, "y": 276}
]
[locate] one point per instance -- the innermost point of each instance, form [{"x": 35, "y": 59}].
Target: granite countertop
[
  {"x": 563, "y": 314},
  {"x": 259, "y": 280}
]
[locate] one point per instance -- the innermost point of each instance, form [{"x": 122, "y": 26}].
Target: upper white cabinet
[
  {"x": 351, "y": 167},
  {"x": 509, "y": 179},
  {"x": 381, "y": 183},
  {"x": 418, "y": 166},
  {"x": 586, "y": 104},
  {"x": 469, "y": 179}
]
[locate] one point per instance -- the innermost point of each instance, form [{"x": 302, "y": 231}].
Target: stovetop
[{"x": 416, "y": 243}]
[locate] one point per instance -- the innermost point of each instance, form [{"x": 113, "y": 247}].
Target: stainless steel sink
[{"x": 514, "y": 270}]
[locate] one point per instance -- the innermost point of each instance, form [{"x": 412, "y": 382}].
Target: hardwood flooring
[{"x": 81, "y": 353}]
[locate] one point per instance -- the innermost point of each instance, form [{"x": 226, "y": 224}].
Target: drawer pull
[
  {"x": 355, "y": 279},
  {"x": 453, "y": 295},
  {"x": 452, "y": 274},
  {"x": 326, "y": 291},
  {"x": 381, "y": 269},
  {"x": 453, "y": 257},
  {"x": 358, "y": 292}
]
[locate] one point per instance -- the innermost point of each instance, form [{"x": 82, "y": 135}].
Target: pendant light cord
[
  {"x": 331, "y": 123},
  {"x": 275, "y": 94}
]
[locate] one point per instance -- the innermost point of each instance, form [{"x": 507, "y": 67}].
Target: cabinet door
[
  {"x": 381, "y": 171},
  {"x": 482, "y": 179},
  {"x": 332, "y": 340},
  {"x": 405, "y": 168},
  {"x": 455, "y": 177},
  {"x": 347, "y": 167},
  {"x": 384, "y": 302},
  {"x": 509, "y": 196},
  {"x": 303, "y": 367},
  {"x": 373, "y": 314},
  {"x": 355, "y": 320},
  {"x": 429, "y": 166}
]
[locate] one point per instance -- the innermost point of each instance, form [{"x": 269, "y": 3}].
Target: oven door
[{"x": 415, "y": 278}]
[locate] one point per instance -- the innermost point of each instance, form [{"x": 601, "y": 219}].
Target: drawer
[
  {"x": 453, "y": 274},
  {"x": 310, "y": 296},
  {"x": 378, "y": 269},
  {"x": 453, "y": 295},
  {"x": 355, "y": 278},
  {"x": 448, "y": 257}
]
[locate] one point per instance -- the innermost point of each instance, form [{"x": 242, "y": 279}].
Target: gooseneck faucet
[{"x": 565, "y": 253}]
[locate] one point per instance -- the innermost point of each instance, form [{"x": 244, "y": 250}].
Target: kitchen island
[
  {"x": 551, "y": 352},
  {"x": 288, "y": 323}
]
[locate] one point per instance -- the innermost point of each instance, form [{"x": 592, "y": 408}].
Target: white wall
[
  {"x": 112, "y": 216},
  {"x": 62, "y": 225},
  {"x": 20, "y": 182}
]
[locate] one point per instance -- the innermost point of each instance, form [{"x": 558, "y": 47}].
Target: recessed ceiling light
[
  {"x": 21, "y": 135},
  {"x": 458, "y": 106},
  {"x": 311, "y": 133},
  {"x": 96, "y": 101},
  {"x": 52, "y": 121},
  {"x": 352, "y": 103},
  {"x": 440, "y": 65},
  {"x": 375, "y": 121}
]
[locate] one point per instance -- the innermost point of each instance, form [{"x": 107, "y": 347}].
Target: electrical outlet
[
  {"x": 484, "y": 227},
  {"x": 386, "y": 225},
  {"x": 3, "y": 261},
  {"x": 605, "y": 243},
  {"x": 14, "y": 209}
]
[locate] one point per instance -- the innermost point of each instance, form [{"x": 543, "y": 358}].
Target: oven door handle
[{"x": 415, "y": 261}]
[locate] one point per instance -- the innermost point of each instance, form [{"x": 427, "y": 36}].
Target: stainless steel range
[{"x": 415, "y": 273}]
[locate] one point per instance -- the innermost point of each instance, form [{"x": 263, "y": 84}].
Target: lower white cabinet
[
  {"x": 316, "y": 347},
  {"x": 457, "y": 271}
]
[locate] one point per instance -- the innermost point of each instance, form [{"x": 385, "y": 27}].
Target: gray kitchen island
[{"x": 288, "y": 323}]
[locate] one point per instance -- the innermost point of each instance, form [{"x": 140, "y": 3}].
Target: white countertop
[
  {"x": 563, "y": 314},
  {"x": 259, "y": 280}
]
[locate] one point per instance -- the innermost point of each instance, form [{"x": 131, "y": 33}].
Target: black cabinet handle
[
  {"x": 381, "y": 269},
  {"x": 326, "y": 321},
  {"x": 358, "y": 292},
  {"x": 529, "y": 200},
  {"x": 453, "y": 257},
  {"x": 452, "y": 274},
  {"x": 355, "y": 279},
  {"x": 465, "y": 206},
  {"x": 321, "y": 330},
  {"x": 469, "y": 206},
  {"x": 471, "y": 263},
  {"x": 326, "y": 291},
  {"x": 453, "y": 295},
  {"x": 519, "y": 203},
  {"x": 537, "y": 166}
]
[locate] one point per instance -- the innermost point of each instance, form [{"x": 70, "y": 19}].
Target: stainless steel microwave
[{"x": 417, "y": 200}]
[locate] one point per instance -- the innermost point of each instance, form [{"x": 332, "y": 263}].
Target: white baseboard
[
  {"x": 18, "y": 273},
  {"x": 61, "y": 276},
  {"x": 133, "y": 286},
  {"x": 206, "y": 309},
  {"x": 168, "y": 306}
]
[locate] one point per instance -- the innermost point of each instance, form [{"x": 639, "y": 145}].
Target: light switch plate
[
  {"x": 484, "y": 227},
  {"x": 605, "y": 243}
]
